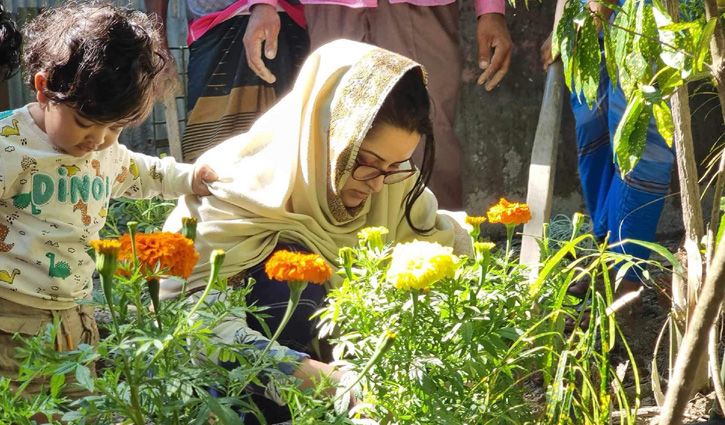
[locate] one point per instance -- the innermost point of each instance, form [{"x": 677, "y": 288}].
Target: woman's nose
[{"x": 376, "y": 184}]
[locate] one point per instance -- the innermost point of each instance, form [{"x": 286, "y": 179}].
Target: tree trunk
[
  {"x": 684, "y": 298},
  {"x": 694, "y": 346}
]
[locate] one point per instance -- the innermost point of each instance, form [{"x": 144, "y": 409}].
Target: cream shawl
[{"x": 280, "y": 181}]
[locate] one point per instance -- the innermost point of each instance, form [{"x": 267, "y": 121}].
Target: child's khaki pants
[{"x": 77, "y": 326}]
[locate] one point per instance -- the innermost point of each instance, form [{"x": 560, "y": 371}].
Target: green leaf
[
  {"x": 589, "y": 60},
  {"x": 669, "y": 79},
  {"x": 467, "y": 332},
  {"x": 56, "y": 384},
  {"x": 720, "y": 230},
  {"x": 564, "y": 39},
  {"x": 669, "y": 56},
  {"x": 679, "y": 26},
  {"x": 609, "y": 56},
  {"x": 73, "y": 416},
  {"x": 663, "y": 118},
  {"x": 703, "y": 45},
  {"x": 624, "y": 38},
  {"x": 659, "y": 9},
  {"x": 637, "y": 67},
  {"x": 651, "y": 94},
  {"x": 225, "y": 414},
  {"x": 84, "y": 378},
  {"x": 628, "y": 148},
  {"x": 646, "y": 33},
  {"x": 659, "y": 249}
]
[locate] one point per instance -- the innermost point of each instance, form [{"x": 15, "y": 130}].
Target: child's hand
[{"x": 203, "y": 174}]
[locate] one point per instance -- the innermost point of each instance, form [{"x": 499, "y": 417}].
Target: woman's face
[{"x": 385, "y": 148}]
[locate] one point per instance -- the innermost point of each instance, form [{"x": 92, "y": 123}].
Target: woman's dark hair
[
  {"x": 103, "y": 61},
  {"x": 10, "y": 41},
  {"x": 408, "y": 107}
]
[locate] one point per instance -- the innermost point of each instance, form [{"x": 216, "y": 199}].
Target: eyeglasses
[{"x": 363, "y": 172}]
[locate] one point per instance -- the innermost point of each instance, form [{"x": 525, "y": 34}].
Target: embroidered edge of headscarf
[{"x": 364, "y": 89}]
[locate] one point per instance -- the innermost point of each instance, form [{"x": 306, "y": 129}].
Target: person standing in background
[
  {"x": 230, "y": 84},
  {"x": 427, "y": 32},
  {"x": 621, "y": 206}
]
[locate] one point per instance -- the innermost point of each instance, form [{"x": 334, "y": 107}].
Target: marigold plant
[
  {"x": 418, "y": 265},
  {"x": 297, "y": 266},
  {"x": 508, "y": 213},
  {"x": 170, "y": 251}
]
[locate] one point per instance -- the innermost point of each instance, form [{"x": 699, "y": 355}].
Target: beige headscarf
[{"x": 280, "y": 182}]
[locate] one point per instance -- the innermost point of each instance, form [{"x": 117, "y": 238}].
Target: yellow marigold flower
[
  {"x": 170, "y": 251},
  {"x": 373, "y": 236},
  {"x": 417, "y": 265},
  {"x": 106, "y": 260},
  {"x": 369, "y": 232},
  {"x": 106, "y": 247},
  {"x": 475, "y": 220},
  {"x": 483, "y": 247},
  {"x": 508, "y": 213},
  {"x": 297, "y": 267}
]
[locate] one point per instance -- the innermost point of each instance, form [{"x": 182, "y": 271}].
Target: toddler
[{"x": 95, "y": 69}]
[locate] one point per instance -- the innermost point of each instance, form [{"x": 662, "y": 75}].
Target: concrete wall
[{"x": 496, "y": 128}]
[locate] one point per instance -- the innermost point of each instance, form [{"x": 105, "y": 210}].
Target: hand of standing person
[
  {"x": 494, "y": 49},
  {"x": 264, "y": 28},
  {"x": 547, "y": 58}
]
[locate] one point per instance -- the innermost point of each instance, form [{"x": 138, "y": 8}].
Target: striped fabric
[{"x": 224, "y": 95}]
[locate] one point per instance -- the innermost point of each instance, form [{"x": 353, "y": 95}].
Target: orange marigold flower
[
  {"x": 172, "y": 252},
  {"x": 506, "y": 212},
  {"x": 298, "y": 267}
]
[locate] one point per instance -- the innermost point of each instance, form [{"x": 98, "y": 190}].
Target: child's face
[
  {"x": 74, "y": 134},
  {"x": 67, "y": 129}
]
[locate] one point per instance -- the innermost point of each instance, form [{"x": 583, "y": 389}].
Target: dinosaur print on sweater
[{"x": 52, "y": 204}]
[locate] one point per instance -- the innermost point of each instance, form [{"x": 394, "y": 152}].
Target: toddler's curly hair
[
  {"x": 10, "y": 41},
  {"x": 103, "y": 61}
]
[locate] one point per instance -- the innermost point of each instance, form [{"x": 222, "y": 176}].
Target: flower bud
[
  {"x": 373, "y": 237},
  {"x": 188, "y": 227}
]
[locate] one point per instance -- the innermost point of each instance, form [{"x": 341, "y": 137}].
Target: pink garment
[
  {"x": 200, "y": 26},
  {"x": 482, "y": 6}
]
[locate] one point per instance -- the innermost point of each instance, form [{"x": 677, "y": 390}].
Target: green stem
[
  {"x": 136, "y": 401},
  {"x": 509, "y": 237},
  {"x": 295, "y": 292},
  {"x": 106, "y": 283},
  {"x": 482, "y": 278},
  {"x": 217, "y": 258},
  {"x": 132, "y": 228},
  {"x": 154, "y": 288},
  {"x": 384, "y": 345},
  {"x": 414, "y": 297}
]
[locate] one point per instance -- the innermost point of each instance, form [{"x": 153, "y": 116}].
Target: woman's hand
[{"x": 203, "y": 175}]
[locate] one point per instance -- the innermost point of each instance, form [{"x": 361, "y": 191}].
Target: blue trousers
[{"x": 626, "y": 207}]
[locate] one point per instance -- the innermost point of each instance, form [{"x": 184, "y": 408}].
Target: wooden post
[
  {"x": 172, "y": 126},
  {"x": 543, "y": 165}
]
